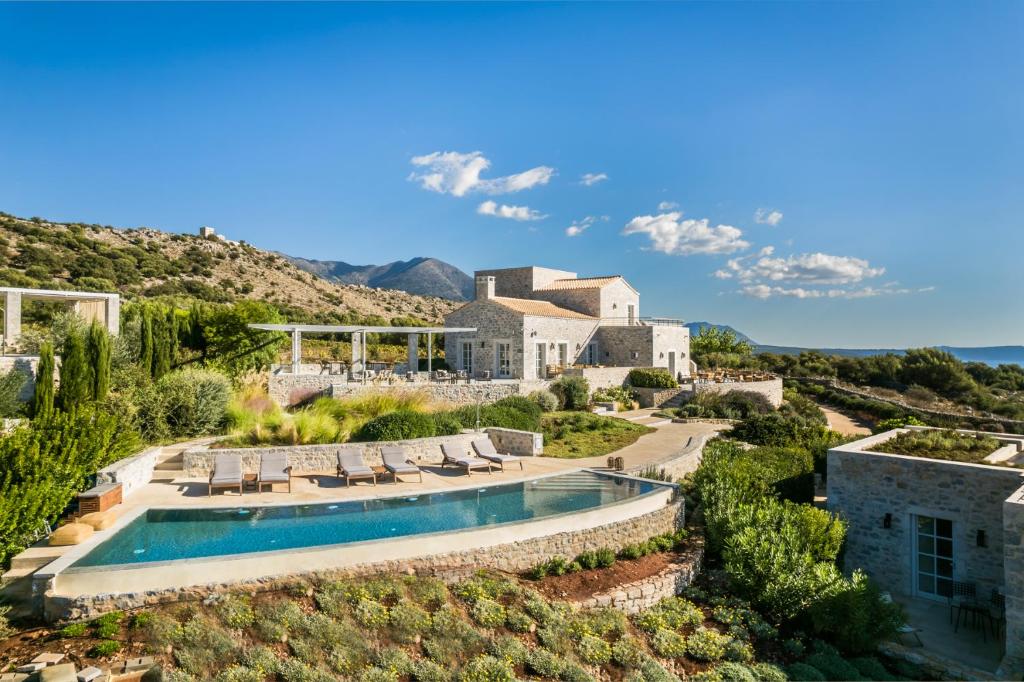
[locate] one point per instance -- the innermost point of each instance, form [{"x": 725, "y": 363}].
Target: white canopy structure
[
  {"x": 91, "y": 305},
  {"x": 359, "y": 333}
]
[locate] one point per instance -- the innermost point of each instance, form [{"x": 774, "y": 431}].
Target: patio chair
[
  {"x": 274, "y": 468},
  {"x": 453, "y": 455},
  {"x": 352, "y": 467},
  {"x": 485, "y": 448},
  {"x": 397, "y": 462},
  {"x": 997, "y": 612},
  {"x": 227, "y": 473},
  {"x": 962, "y": 597}
]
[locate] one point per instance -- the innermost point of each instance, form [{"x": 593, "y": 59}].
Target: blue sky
[{"x": 881, "y": 142}]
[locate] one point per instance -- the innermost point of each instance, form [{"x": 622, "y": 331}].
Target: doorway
[{"x": 934, "y": 558}]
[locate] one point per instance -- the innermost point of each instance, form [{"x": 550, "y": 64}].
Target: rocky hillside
[
  {"x": 423, "y": 276},
  {"x": 146, "y": 262}
]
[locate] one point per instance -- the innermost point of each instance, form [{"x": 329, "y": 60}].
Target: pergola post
[
  {"x": 357, "y": 351},
  {"x": 12, "y": 317},
  {"x": 296, "y": 351},
  {"x": 430, "y": 351},
  {"x": 413, "y": 346}
]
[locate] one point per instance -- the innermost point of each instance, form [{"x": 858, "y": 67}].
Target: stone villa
[{"x": 532, "y": 322}]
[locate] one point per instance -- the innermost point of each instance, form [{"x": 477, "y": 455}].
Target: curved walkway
[{"x": 845, "y": 424}]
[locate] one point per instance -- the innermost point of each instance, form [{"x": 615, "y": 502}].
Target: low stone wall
[
  {"x": 131, "y": 472},
  {"x": 288, "y": 389},
  {"x": 311, "y": 458},
  {"x": 513, "y": 557},
  {"x": 26, "y": 364},
  {"x": 770, "y": 389},
  {"x": 455, "y": 394},
  {"x": 601, "y": 377},
  {"x": 656, "y": 397},
  {"x": 643, "y": 594},
  {"x": 679, "y": 463}
]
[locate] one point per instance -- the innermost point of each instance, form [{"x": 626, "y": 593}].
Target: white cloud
[
  {"x": 804, "y": 268},
  {"x": 505, "y": 211},
  {"x": 458, "y": 174},
  {"x": 670, "y": 234},
  {"x": 667, "y": 206},
  {"x": 589, "y": 179},
  {"x": 578, "y": 227},
  {"x": 767, "y": 216},
  {"x": 763, "y": 291}
]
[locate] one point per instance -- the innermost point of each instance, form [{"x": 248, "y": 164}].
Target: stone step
[
  {"x": 15, "y": 573},
  {"x": 172, "y": 463},
  {"x": 36, "y": 557}
]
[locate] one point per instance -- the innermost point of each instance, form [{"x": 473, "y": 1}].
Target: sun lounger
[
  {"x": 352, "y": 467},
  {"x": 458, "y": 457},
  {"x": 274, "y": 468},
  {"x": 227, "y": 473},
  {"x": 397, "y": 462},
  {"x": 485, "y": 448}
]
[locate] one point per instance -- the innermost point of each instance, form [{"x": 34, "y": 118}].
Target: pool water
[{"x": 169, "y": 534}]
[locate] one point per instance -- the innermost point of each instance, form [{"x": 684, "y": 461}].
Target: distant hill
[
  {"x": 143, "y": 262},
  {"x": 990, "y": 355},
  {"x": 695, "y": 328},
  {"x": 422, "y": 276}
]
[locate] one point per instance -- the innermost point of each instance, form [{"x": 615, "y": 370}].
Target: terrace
[{"x": 968, "y": 447}]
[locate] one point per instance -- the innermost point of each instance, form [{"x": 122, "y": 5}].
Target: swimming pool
[{"x": 161, "y": 535}]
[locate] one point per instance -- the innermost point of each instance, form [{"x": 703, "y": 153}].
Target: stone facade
[
  {"x": 865, "y": 486},
  {"x": 521, "y": 282},
  {"x": 1013, "y": 568},
  {"x": 26, "y": 364},
  {"x": 771, "y": 388},
  {"x": 600, "y": 377},
  {"x": 513, "y": 557},
  {"x": 313, "y": 458},
  {"x": 645, "y": 346},
  {"x": 289, "y": 389},
  {"x": 657, "y": 397},
  {"x": 642, "y": 594}
]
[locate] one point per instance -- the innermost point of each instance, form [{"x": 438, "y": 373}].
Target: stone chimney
[{"x": 484, "y": 287}]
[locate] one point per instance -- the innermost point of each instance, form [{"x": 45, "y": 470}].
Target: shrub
[
  {"x": 668, "y": 643},
  {"x": 628, "y": 652},
  {"x": 400, "y": 425},
  {"x": 546, "y": 400},
  {"x": 832, "y": 667},
  {"x": 854, "y": 616},
  {"x": 706, "y": 645},
  {"x": 428, "y": 592},
  {"x": 594, "y": 650},
  {"x": 407, "y": 621},
  {"x": 519, "y": 403},
  {"x": 801, "y": 672},
  {"x": 573, "y": 392},
  {"x": 11, "y": 383},
  {"x": 194, "y": 401},
  {"x": 72, "y": 630},
  {"x": 605, "y": 557},
  {"x": 108, "y": 625},
  {"x": 425, "y": 670},
  {"x": 488, "y": 613},
  {"x": 508, "y": 649},
  {"x": 446, "y": 424},
  {"x": 107, "y": 647},
  {"x": 487, "y": 669},
  {"x": 651, "y": 377},
  {"x": 870, "y": 668},
  {"x": 544, "y": 663},
  {"x": 371, "y": 614},
  {"x": 516, "y": 620},
  {"x": 738, "y": 650},
  {"x": 735, "y": 672},
  {"x": 236, "y": 613},
  {"x": 767, "y": 672},
  {"x": 202, "y": 646},
  {"x": 678, "y": 613}
]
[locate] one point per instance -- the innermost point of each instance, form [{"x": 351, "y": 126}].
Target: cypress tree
[
  {"x": 75, "y": 379},
  {"x": 99, "y": 358},
  {"x": 161, "y": 347},
  {"x": 196, "y": 340},
  {"x": 146, "y": 342},
  {"x": 172, "y": 335},
  {"x": 42, "y": 400}
]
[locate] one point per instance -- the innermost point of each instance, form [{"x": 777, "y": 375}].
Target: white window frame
[
  {"x": 498, "y": 345},
  {"x": 466, "y": 362},
  {"x": 591, "y": 353},
  {"x": 540, "y": 366},
  {"x": 563, "y": 359}
]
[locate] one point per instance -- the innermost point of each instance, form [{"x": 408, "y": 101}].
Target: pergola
[
  {"x": 359, "y": 333},
  {"x": 91, "y": 305}
]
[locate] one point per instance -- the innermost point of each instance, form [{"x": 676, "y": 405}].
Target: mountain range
[{"x": 420, "y": 276}]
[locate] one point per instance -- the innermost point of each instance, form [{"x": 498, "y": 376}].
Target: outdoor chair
[
  {"x": 397, "y": 462},
  {"x": 453, "y": 455},
  {"x": 963, "y": 598},
  {"x": 485, "y": 449},
  {"x": 352, "y": 467},
  {"x": 227, "y": 473},
  {"x": 997, "y": 613},
  {"x": 274, "y": 468}
]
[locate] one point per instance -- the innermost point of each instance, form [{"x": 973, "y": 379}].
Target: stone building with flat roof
[{"x": 533, "y": 321}]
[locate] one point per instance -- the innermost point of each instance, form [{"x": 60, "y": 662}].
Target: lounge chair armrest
[{"x": 288, "y": 469}]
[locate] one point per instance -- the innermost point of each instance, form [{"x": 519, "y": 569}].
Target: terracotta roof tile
[
  {"x": 539, "y": 308},
  {"x": 580, "y": 283}
]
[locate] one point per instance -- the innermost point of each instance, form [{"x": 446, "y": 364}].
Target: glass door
[
  {"x": 933, "y": 557},
  {"x": 467, "y": 357},
  {"x": 504, "y": 359},
  {"x": 563, "y": 354},
  {"x": 541, "y": 369}
]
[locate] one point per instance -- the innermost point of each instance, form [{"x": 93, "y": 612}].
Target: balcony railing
[{"x": 641, "y": 322}]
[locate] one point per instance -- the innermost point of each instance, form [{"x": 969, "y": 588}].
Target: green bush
[
  {"x": 194, "y": 401},
  {"x": 669, "y": 643},
  {"x": 628, "y": 652},
  {"x": 870, "y": 668},
  {"x": 545, "y": 399},
  {"x": 516, "y": 620},
  {"x": 446, "y": 424},
  {"x": 651, "y": 377},
  {"x": 735, "y": 672},
  {"x": 425, "y": 670},
  {"x": 400, "y": 425},
  {"x": 519, "y": 403},
  {"x": 573, "y": 392},
  {"x": 833, "y": 667},
  {"x": 801, "y": 672},
  {"x": 706, "y": 645},
  {"x": 593, "y": 650},
  {"x": 854, "y": 616},
  {"x": 73, "y": 630},
  {"x": 235, "y": 612},
  {"x": 11, "y": 383},
  {"x": 107, "y": 647},
  {"x": 508, "y": 649},
  {"x": 488, "y": 613},
  {"x": 371, "y": 614},
  {"x": 487, "y": 669},
  {"x": 108, "y": 625},
  {"x": 544, "y": 663},
  {"x": 407, "y": 621},
  {"x": 504, "y": 416},
  {"x": 768, "y": 672}
]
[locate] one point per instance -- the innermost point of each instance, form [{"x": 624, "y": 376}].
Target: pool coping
[{"x": 63, "y": 565}]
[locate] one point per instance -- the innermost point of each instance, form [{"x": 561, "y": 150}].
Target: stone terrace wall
[
  {"x": 310, "y": 458},
  {"x": 513, "y": 557},
  {"x": 456, "y": 394},
  {"x": 288, "y": 389},
  {"x": 601, "y": 377},
  {"x": 656, "y": 397},
  {"x": 771, "y": 389},
  {"x": 865, "y": 486},
  {"x": 131, "y": 472},
  {"x": 643, "y": 594}
]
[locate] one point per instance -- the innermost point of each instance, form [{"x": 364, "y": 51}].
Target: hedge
[{"x": 653, "y": 377}]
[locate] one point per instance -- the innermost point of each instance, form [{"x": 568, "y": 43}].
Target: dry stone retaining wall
[
  {"x": 131, "y": 472},
  {"x": 512, "y": 557},
  {"x": 770, "y": 389}
]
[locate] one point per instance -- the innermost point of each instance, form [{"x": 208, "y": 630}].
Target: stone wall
[
  {"x": 601, "y": 377},
  {"x": 643, "y": 594},
  {"x": 26, "y": 364},
  {"x": 455, "y": 394},
  {"x": 771, "y": 389},
  {"x": 313, "y": 458},
  {"x": 1013, "y": 567},
  {"x": 289, "y": 389},
  {"x": 865, "y": 486},
  {"x": 676, "y": 465},
  {"x": 656, "y": 397},
  {"x": 512, "y": 557},
  {"x": 131, "y": 472}
]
